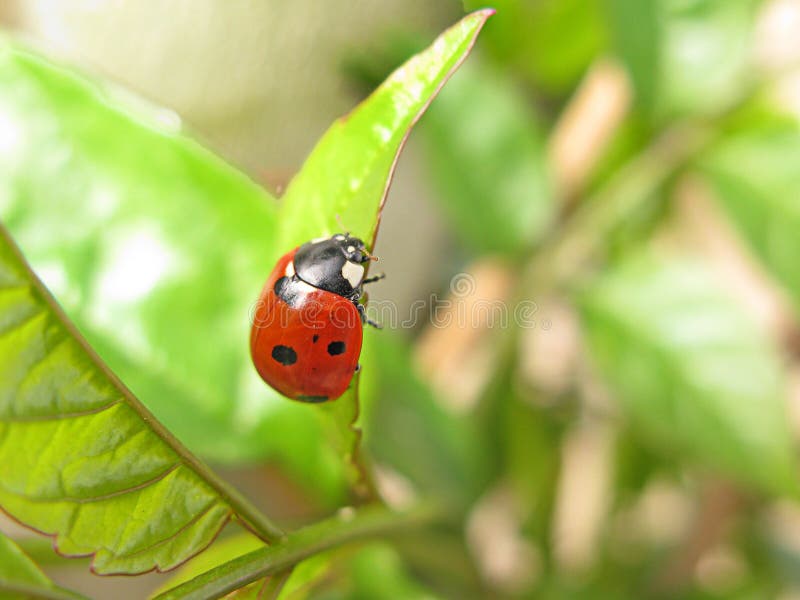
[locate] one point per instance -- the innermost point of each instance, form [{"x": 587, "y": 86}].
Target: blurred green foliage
[
  {"x": 489, "y": 164},
  {"x": 691, "y": 366},
  {"x": 550, "y": 43},
  {"x": 754, "y": 170}
]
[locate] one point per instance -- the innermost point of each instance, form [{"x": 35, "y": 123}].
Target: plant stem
[{"x": 346, "y": 527}]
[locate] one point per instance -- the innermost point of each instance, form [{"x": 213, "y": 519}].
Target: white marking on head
[
  {"x": 289, "y": 272},
  {"x": 338, "y": 237},
  {"x": 304, "y": 288},
  {"x": 353, "y": 272},
  {"x": 351, "y": 249}
]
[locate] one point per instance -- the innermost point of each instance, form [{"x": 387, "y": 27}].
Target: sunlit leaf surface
[
  {"x": 157, "y": 250},
  {"x": 692, "y": 370},
  {"x": 346, "y": 177},
  {"x": 79, "y": 459}
]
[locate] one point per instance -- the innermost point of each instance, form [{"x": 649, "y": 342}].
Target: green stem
[
  {"x": 249, "y": 514},
  {"x": 340, "y": 418},
  {"x": 364, "y": 523}
]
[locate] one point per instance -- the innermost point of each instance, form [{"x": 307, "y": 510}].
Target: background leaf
[
  {"x": 221, "y": 552},
  {"x": 754, "y": 172},
  {"x": 684, "y": 56},
  {"x": 407, "y": 429},
  {"x": 691, "y": 369},
  {"x": 19, "y": 576},
  {"x": 551, "y": 42},
  {"x": 377, "y": 572},
  {"x": 97, "y": 472},
  {"x": 485, "y": 150}
]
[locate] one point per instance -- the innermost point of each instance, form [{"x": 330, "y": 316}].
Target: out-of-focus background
[{"x": 630, "y": 169}]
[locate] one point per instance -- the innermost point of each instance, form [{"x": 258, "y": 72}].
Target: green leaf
[
  {"x": 340, "y": 422},
  {"x": 80, "y": 458},
  {"x": 21, "y": 578},
  {"x": 486, "y": 152},
  {"x": 550, "y": 41},
  {"x": 691, "y": 369},
  {"x": 157, "y": 250},
  {"x": 637, "y": 38},
  {"x": 221, "y": 552},
  {"x": 754, "y": 171},
  {"x": 684, "y": 56},
  {"x": 83, "y": 187},
  {"x": 347, "y": 175},
  {"x": 344, "y": 182},
  {"x": 378, "y": 573},
  {"x": 306, "y": 576}
]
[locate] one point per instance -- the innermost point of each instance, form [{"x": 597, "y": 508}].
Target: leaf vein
[
  {"x": 61, "y": 416},
  {"x": 116, "y": 493}
]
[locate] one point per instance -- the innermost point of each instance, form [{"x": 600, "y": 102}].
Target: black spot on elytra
[
  {"x": 284, "y": 355},
  {"x": 336, "y": 348},
  {"x": 314, "y": 339}
]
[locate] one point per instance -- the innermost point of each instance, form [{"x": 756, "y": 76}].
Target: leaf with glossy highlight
[
  {"x": 157, "y": 250},
  {"x": 80, "y": 458},
  {"x": 347, "y": 175},
  {"x": 344, "y": 182}
]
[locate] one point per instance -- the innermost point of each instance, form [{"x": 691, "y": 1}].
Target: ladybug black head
[{"x": 335, "y": 264}]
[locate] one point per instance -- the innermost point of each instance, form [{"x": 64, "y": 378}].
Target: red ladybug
[{"x": 306, "y": 335}]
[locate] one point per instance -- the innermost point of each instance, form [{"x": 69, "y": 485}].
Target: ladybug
[{"x": 307, "y": 331}]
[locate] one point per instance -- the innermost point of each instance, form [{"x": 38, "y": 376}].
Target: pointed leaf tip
[{"x": 346, "y": 177}]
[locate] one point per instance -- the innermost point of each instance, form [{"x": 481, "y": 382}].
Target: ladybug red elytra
[{"x": 306, "y": 335}]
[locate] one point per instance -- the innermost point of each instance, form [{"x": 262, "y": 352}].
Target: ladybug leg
[
  {"x": 373, "y": 279},
  {"x": 363, "y": 312}
]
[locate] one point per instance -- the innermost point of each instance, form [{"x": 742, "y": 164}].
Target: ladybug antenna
[
  {"x": 339, "y": 221},
  {"x": 369, "y": 256}
]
